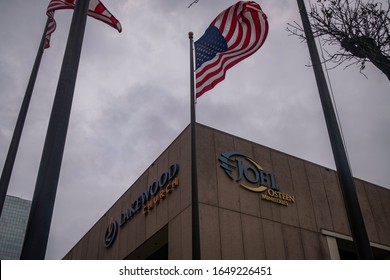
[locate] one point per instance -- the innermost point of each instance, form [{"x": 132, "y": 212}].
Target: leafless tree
[{"x": 359, "y": 30}]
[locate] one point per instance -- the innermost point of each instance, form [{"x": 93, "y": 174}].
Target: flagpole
[
  {"x": 347, "y": 185},
  {"x": 41, "y": 212},
  {"x": 14, "y": 145},
  {"x": 194, "y": 173}
]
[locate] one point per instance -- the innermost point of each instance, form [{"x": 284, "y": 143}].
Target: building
[
  {"x": 254, "y": 203},
  {"x": 13, "y": 223}
]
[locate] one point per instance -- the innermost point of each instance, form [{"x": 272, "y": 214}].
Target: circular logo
[
  {"x": 247, "y": 172},
  {"x": 259, "y": 187},
  {"x": 111, "y": 233}
]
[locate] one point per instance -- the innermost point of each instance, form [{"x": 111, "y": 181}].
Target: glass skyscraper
[{"x": 13, "y": 223}]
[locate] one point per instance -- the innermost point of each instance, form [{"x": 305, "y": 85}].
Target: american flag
[
  {"x": 96, "y": 10},
  {"x": 235, "y": 34}
]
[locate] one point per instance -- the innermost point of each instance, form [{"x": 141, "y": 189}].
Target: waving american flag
[
  {"x": 96, "y": 10},
  {"x": 235, "y": 34}
]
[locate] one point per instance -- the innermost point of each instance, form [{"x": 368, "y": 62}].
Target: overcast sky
[{"x": 132, "y": 100}]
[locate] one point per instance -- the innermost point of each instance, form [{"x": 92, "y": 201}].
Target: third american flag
[{"x": 96, "y": 10}]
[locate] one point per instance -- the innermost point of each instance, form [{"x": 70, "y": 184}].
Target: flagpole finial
[{"x": 190, "y": 35}]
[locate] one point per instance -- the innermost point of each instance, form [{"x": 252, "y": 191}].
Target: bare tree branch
[{"x": 359, "y": 28}]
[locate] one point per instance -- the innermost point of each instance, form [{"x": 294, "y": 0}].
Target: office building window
[{"x": 341, "y": 247}]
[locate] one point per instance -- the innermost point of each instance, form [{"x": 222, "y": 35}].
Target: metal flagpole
[
  {"x": 38, "y": 226},
  {"x": 13, "y": 148},
  {"x": 347, "y": 185},
  {"x": 194, "y": 173}
]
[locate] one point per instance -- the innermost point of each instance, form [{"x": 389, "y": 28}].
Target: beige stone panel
[
  {"x": 312, "y": 245},
  {"x": 186, "y": 234},
  {"x": 94, "y": 241},
  {"x": 101, "y": 227},
  {"x": 249, "y": 201},
  {"x": 162, "y": 207},
  {"x": 326, "y": 254},
  {"x": 137, "y": 231},
  {"x": 185, "y": 169},
  {"x": 162, "y": 212},
  {"x": 262, "y": 155},
  {"x": 152, "y": 173},
  {"x": 269, "y": 210},
  {"x": 368, "y": 217},
  {"x": 379, "y": 201},
  {"x": 253, "y": 238},
  {"x": 206, "y": 167},
  {"x": 122, "y": 242},
  {"x": 209, "y": 232},
  {"x": 243, "y": 146},
  {"x": 274, "y": 243},
  {"x": 289, "y": 214},
  {"x": 232, "y": 246},
  {"x": 384, "y": 195},
  {"x": 84, "y": 247},
  {"x": 174, "y": 201},
  {"x": 228, "y": 192},
  {"x": 336, "y": 202},
  {"x": 174, "y": 150},
  {"x": 76, "y": 251},
  {"x": 162, "y": 163},
  {"x": 151, "y": 218},
  {"x": 302, "y": 194},
  {"x": 151, "y": 223},
  {"x": 319, "y": 198},
  {"x": 180, "y": 236},
  {"x": 293, "y": 243},
  {"x": 175, "y": 238}
]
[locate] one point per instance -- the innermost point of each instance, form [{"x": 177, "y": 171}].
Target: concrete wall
[
  {"x": 175, "y": 210},
  {"x": 236, "y": 223}
]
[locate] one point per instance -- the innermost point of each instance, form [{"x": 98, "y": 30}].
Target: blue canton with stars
[{"x": 207, "y": 47}]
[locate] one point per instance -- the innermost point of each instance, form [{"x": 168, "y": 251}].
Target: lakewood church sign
[
  {"x": 251, "y": 176},
  {"x": 158, "y": 191}
]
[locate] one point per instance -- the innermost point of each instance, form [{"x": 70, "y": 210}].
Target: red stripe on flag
[
  {"x": 233, "y": 23},
  {"x": 99, "y": 8}
]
